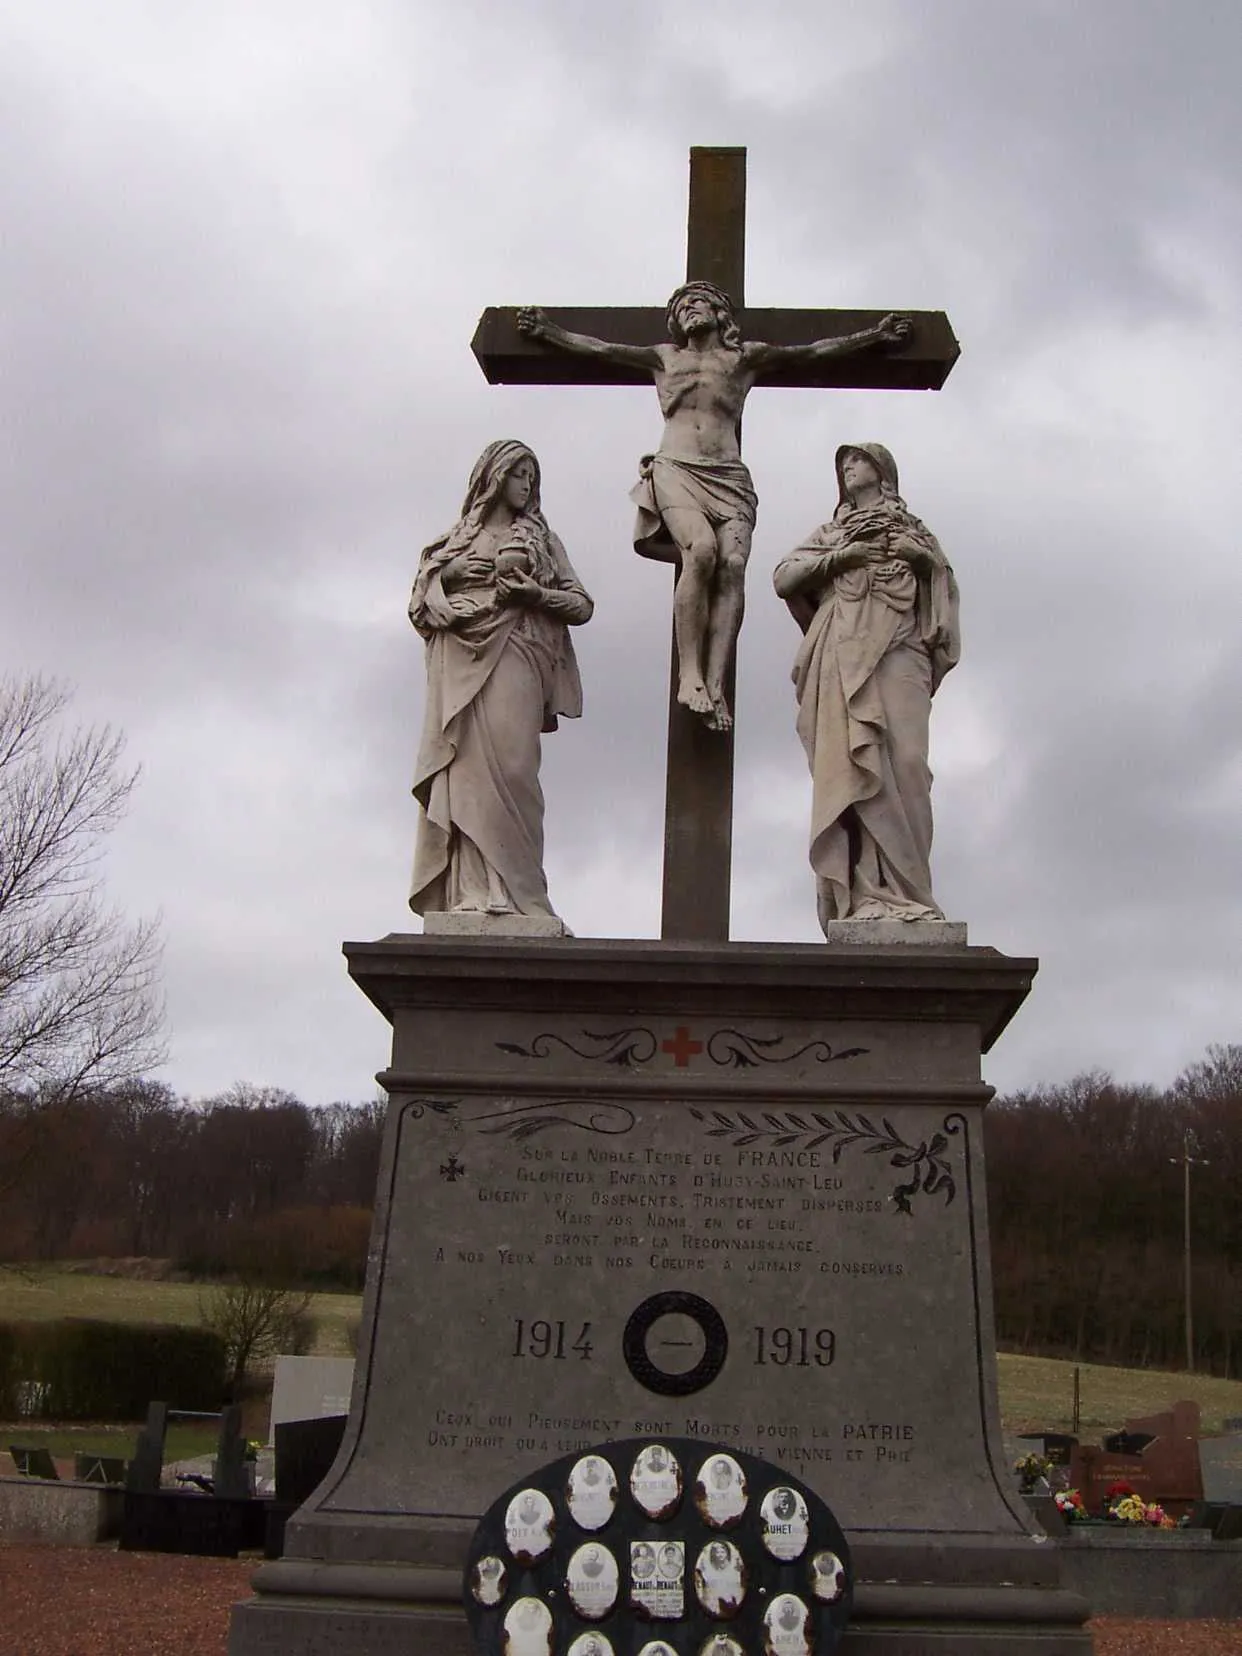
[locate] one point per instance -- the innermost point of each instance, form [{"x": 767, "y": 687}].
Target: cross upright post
[
  {"x": 624, "y": 346},
  {"x": 698, "y": 784}
]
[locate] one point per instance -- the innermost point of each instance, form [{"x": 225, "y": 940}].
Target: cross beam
[
  {"x": 698, "y": 817},
  {"x": 507, "y": 357}
]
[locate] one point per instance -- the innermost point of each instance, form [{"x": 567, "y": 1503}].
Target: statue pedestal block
[{"x": 629, "y": 1189}]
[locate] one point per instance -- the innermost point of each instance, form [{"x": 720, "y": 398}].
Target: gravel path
[{"x": 95, "y": 1601}]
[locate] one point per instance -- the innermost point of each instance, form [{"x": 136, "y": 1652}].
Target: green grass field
[
  {"x": 40, "y": 1293},
  {"x": 1035, "y": 1392}
]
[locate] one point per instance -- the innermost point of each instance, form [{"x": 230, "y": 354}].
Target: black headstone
[
  {"x": 100, "y": 1469},
  {"x": 33, "y": 1463},
  {"x": 148, "y": 1458},
  {"x": 305, "y": 1450},
  {"x": 231, "y": 1470}
]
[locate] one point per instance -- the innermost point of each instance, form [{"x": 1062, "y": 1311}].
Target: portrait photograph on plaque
[
  {"x": 787, "y": 1626},
  {"x": 488, "y": 1579},
  {"x": 528, "y": 1628},
  {"x": 591, "y": 1581},
  {"x": 721, "y": 1644},
  {"x": 720, "y": 1492},
  {"x": 720, "y": 1579},
  {"x": 786, "y": 1525},
  {"x": 592, "y": 1492},
  {"x": 827, "y": 1577},
  {"x": 529, "y": 1522},
  {"x": 655, "y": 1481},
  {"x": 591, "y": 1644}
]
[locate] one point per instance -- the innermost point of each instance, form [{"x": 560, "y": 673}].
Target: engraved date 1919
[
  {"x": 542, "y": 1338},
  {"x": 796, "y": 1347}
]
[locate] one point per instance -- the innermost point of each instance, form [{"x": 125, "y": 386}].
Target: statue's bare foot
[
  {"x": 720, "y": 718},
  {"x": 693, "y": 694}
]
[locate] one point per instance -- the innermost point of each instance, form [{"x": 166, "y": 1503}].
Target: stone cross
[{"x": 698, "y": 819}]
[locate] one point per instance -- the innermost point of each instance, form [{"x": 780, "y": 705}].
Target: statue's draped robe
[
  {"x": 878, "y": 642},
  {"x": 720, "y": 490},
  {"x": 497, "y": 676}
]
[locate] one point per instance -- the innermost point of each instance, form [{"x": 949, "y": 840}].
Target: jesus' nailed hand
[{"x": 695, "y": 498}]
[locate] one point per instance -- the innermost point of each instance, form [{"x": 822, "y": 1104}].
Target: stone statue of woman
[
  {"x": 494, "y": 600},
  {"x": 877, "y": 601}
]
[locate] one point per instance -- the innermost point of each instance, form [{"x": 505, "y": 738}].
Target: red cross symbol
[{"x": 682, "y": 1047}]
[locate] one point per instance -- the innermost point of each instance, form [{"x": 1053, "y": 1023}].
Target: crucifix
[{"x": 695, "y": 500}]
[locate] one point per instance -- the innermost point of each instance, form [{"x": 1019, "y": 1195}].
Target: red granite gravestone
[{"x": 1165, "y": 1470}]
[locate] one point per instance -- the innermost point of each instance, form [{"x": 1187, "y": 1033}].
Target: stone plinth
[
  {"x": 733, "y": 1192},
  {"x": 59, "y": 1514}
]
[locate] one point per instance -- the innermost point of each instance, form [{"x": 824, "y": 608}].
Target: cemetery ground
[{"x": 96, "y": 1601}]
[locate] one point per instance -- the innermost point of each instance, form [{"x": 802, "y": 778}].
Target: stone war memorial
[{"x": 686, "y": 1190}]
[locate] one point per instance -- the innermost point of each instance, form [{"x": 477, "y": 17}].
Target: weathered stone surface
[
  {"x": 733, "y": 1193},
  {"x": 1162, "y": 1574},
  {"x": 62, "y": 1514},
  {"x": 448, "y": 923},
  {"x": 877, "y": 934}
]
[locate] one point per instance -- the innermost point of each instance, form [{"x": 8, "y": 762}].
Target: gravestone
[
  {"x": 147, "y": 1463},
  {"x": 232, "y": 1470},
  {"x": 305, "y": 1450},
  {"x": 1157, "y": 1455},
  {"x": 33, "y": 1463},
  {"x": 306, "y": 1388},
  {"x": 100, "y": 1469},
  {"x": 1221, "y": 1461}
]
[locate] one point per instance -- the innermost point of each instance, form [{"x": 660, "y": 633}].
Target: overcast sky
[{"x": 243, "y": 247}]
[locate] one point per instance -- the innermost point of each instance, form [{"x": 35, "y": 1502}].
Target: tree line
[
  {"x": 1086, "y": 1193},
  {"x": 252, "y": 1182},
  {"x": 1085, "y": 1187}
]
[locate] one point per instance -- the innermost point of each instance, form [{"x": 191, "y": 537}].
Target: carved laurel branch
[{"x": 927, "y": 1162}]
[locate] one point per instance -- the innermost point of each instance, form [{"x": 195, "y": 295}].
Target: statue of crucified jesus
[{"x": 696, "y": 502}]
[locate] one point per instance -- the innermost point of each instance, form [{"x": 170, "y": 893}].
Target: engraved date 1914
[{"x": 543, "y": 1338}]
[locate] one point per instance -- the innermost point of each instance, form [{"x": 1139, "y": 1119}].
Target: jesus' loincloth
[{"x": 720, "y": 490}]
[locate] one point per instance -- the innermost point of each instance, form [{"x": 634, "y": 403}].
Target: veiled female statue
[
  {"x": 877, "y": 601},
  {"x": 494, "y": 599}
]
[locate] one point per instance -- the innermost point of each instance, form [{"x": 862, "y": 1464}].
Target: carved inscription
[{"x": 600, "y": 1251}]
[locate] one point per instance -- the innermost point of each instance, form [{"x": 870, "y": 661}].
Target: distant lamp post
[{"x": 1188, "y": 1144}]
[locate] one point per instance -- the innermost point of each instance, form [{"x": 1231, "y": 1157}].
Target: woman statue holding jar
[{"x": 494, "y": 600}]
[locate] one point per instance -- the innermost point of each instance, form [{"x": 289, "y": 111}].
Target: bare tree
[
  {"x": 80, "y": 1006},
  {"x": 257, "y": 1321}
]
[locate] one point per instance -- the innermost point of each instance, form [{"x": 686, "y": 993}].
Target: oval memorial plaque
[
  {"x": 720, "y": 1579},
  {"x": 827, "y": 1577},
  {"x": 655, "y": 1481},
  {"x": 592, "y": 1645},
  {"x": 720, "y": 1492},
  {"x": 591, "y": 1581},
  {"x": 591, "y": 1494},
  {"x": 786, "y": 1527},
  {"x": 488, "y": 1579},
  {"x": 529, "y": 1522},
  {"x": 787, "y": 1627},
  {"x": 528, "y": 1628}
]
